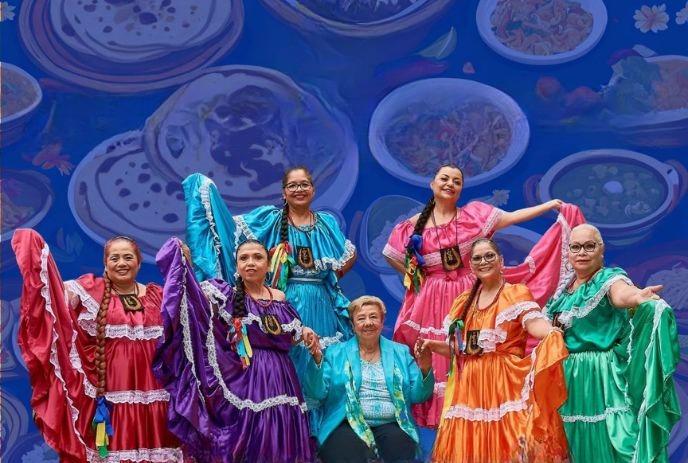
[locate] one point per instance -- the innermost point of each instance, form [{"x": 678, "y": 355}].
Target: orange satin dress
[{"x": 500, "y": 405}]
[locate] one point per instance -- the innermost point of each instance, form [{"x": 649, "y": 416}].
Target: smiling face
[
  {"x": 447, "y": 184},
  {"x": 252, "y": 262},
  {"x": 298, "y": 189},
  {"x": 585, "y": 262},
  {"x": 122, "y": 262},
  {"x": 368, "y": 321},
  {"x": 486, "y": 263}
]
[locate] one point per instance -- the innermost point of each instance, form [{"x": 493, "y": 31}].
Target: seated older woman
[{"x": 367, "y": 386}]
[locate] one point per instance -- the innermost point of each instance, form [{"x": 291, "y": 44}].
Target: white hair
[{"x": 591, "y": 227}]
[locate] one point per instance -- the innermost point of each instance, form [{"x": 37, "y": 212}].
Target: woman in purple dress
[{"x": 224, "y": 359}]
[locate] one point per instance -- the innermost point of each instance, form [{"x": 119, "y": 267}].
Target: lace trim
[
  {"x": 491, "y": 221},
  {"x": 512, "y": 312},
  {"x": 186, "y": 333},
  {"x": 157, "y": 455},
  {"x": 439, "y": 388},
  {"x": 594, "y": 418},
  {"x": 214, "y": 295},
  {"x": 566, "y": 318},
  {"x": 337, "y": 264},
  {"x": 241, "y": 228},
  {"x": 91, "y": 305},
  {"x": 425, "y": 329},
  {"x": 660, "y": 306},
  {"x": 496, "y": 413},
  {"x": 204, "y": 191},
  {"x": 135, "y": 333},
  {"x": 532, "y": 316},
  {"x": 327, "y": 341},
  {"x": 489, "y": 338},
  {"x": 237, "y": 401},
  {"x": 392, "y": 253},
  {"x": 293, "y": 326},
  {"x": 54, "y": 360}
]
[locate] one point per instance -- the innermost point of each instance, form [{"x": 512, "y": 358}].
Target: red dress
[{"x": 57, "y": 339}]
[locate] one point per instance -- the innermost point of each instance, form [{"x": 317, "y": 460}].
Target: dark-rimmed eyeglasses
[
  {"x": 293, "y": 187},
  {"x": 588, "y": 246},
  {"x": 487, "y": 257}
]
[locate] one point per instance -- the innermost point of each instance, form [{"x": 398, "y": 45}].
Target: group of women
[{"x": 252, "y": 353}]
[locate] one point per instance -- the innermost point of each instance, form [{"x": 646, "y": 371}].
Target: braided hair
[
  {"x": 239, "y": 300},
  {"x": 426, "y": 213},
  {"x": 101, "y": 317},
  {"x": 284, "y": 223}
]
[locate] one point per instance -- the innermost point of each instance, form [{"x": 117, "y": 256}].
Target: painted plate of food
[
  {"x": 428, "y": 123},
  {"x": 541, "y": 32}
]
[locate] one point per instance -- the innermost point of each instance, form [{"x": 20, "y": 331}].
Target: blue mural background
[{"x": 331, "y": 79}]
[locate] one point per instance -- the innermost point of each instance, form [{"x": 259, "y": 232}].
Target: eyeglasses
[
  {"x": 588, "y": 246},
  {"x": 487, "y": 257},
  {"x": 293, "y": 187}
]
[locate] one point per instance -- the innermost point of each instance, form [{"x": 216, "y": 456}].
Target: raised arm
[
  {"x": 210, "y": 229},
  {"x": 623, "y": 296},
  {"x": 527, "y": 213}
]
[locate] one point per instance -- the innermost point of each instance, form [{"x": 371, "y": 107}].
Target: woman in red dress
[{"x": 88, "y": 345}]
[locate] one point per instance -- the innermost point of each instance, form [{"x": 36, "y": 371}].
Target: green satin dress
[{"x": 622, "y": 402}]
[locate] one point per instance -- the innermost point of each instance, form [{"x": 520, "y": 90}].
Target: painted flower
[
  {"x": 6, "y": 11},
  {"x": 682, "y": 15},
  {"x": 50, "y": 156},
  {"x": 653, "y": 18}
]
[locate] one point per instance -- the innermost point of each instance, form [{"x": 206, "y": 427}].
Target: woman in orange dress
[{"x": 500, "y": 405}]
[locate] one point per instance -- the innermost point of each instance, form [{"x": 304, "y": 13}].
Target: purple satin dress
[{"x": 221, "y": 411}]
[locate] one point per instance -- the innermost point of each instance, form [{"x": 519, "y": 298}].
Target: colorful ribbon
[
  {"x": 280, "y": 263},
  {"x": 102, "y": 425}
]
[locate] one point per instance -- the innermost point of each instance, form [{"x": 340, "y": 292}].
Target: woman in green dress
[{"x": 623, "y": 352}]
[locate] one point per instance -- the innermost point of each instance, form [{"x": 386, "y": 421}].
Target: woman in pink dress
[{"x": 431, "y": 250}]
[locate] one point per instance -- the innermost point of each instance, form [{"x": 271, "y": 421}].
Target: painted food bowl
[
  {"x": 659, "y": 115},
  {"x": 26, "y": 199},
  {"x": 357, "y": 18},
  {"x": 425, "y": 124},
  {"x": 114, "y": 191},
  {"x": 623, "y": 193},
  {"x": 377, "y": 224},
  {"x": 541, "y": 33},
  {"x": 126, "y": 46},
  {"x": 21, "y": 96},
  {"x": 243, "y": 126}
]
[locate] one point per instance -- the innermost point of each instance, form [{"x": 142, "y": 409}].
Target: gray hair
[
  {"x": 359, "y": 302},
  {"x": 591, "y": 227}
]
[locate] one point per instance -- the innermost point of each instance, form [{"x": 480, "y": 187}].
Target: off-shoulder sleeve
[
  {"x": 396, "y": 244},
  {"x": 484, "y": 218}
]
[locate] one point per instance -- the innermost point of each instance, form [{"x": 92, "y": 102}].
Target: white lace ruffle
[
  {"x": 236, "y": 400},
  {"x": 532, "y": 316},
  {"x": 134, "y": 333},
  {"x": 660, "y": 307},
  {"x": 425, "y": 329},
  {"x": 531, "y": 264},
  {"x": 594, "y": 418},
  {"x": 241, "y": 229},
  {"x": 137, "y": 397},
  {"x": 565, "y": 274},
  {"x": 488, "y": 338},
  {"x": 337, "y": 264},
  {"x": 204, "y": 192},
  {"x": 186, "y": 333},
  {"x": 295, "y": 326},
  {"x": 54, "y": 359},
  {"x": 514, "y": 311},
  {"x": 214, "y": 295},
  {"x": 439, "y": 388},
  {"x": 392, "y": 253},
  {"x": 566, "y": 318},
  {"x": 496, "y": 413},
  {"x": 327, "y": 341},
  {"x": 91, "y": 305},
  {"x": 491, "y": 221},
  {"x": 157, "y": 455}
]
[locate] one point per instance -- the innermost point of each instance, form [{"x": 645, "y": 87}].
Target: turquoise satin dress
[{"x": 213, "y": 234}]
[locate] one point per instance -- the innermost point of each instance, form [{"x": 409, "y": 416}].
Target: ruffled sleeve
[
  {"x": 330, "y": 246},
  {"x": 654, "y": 356},
  {"x": 211, "y": 233},
  {"x": 482, "y": 216},
  {"x": 262, "y": 224},
  {"x": 395, "y": 248}
]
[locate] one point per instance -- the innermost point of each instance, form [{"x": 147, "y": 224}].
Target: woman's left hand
[
  {"x": 423, "y": 355},
  {"x": 310, "y": 339},
  {"x": 649, "y": 293}
]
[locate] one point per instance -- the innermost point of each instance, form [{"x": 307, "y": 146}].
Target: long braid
[
  {"x": 284, "y": 224},
  {"x": 420, "y": 224},
  {"x": 100, "y": 336},
  {"x": 239, "y": 301}
]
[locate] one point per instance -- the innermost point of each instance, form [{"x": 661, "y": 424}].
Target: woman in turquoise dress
[
  {"x": 308, "y": 253},
  {"x": 623, "y": 350}
]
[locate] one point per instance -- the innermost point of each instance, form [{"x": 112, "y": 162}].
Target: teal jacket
[{"x": 336, "y": 382}]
